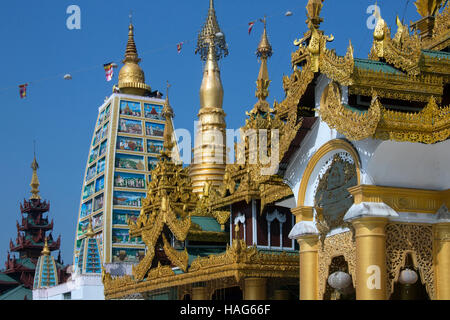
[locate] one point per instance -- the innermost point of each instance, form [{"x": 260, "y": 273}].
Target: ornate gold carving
[
  {"x": 430, "y": 125},
  {"x": 178, "y": 258},
  {"x": 144, "y": 265},
  {"x": 417, "y": 240},
  {"x": 403, "y": 51},
  {"x": 341, "y": 244},
  {"x": 354, "y": 125},
  {"x": 400, "y": 199},
  {"x": 237, "y": 262},
  {"x": 295, "y": 86},
  {"x": 338, "y": 68},
  {"x": 397, "y": 86}
]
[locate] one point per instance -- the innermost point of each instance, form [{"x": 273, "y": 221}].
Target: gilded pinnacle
[
  {"x": 168, "y": 128},
  {"x": 262, "y": 83},
  {"x": 264, "y": 47},
  {"x": 131, "y": 75},
  {"x": 34, "y": 181},
  {"x": 45, "y": 250},
  {"x": 131, "y": 54},
  {"x": 211, "y": 34},
  {"x": 90, "y": 232}
]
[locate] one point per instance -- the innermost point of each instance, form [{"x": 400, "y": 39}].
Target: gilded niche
[{"x": 332, "y": 198}]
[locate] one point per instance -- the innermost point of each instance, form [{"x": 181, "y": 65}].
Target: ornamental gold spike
[
  {"x": 45, "y": 250},
  {"x": 210, "y": 142},
  {"x": 167, "y": 113},
  {"x": 313, "y": 9},
  {"x": 211, "y": 34},
  {"x": 262, "y": 83},
  {"x": 131, "y": 76},
  {"x": 34, "y": 181}
]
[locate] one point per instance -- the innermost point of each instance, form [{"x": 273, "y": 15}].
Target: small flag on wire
[
  {"x": 250, "y": 26},
  {"x": 109, "y": 71},
  {"x": 23, "y": 90},
  {"x": 179, "y": 46}
]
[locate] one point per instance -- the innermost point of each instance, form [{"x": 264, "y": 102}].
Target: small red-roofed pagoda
[{"x": 32, "y": 231}]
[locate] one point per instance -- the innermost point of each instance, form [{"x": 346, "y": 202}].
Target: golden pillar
[
  {"x": 281, "y": 295},
  {"x": 309, "y": 267},
  {"x": 199, "y": 293},
  {"x": 255, "y": 289},
  {"x": 371, "y": 275},
  {"x": 441, "y": 232}
]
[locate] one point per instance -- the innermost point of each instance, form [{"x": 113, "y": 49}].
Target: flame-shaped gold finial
[
  {"x": 262, "y": 82},
  {"x": 34, "y": 181},
  {"x": 46, "y": 249},
  {"x": 264, "y": 47}
]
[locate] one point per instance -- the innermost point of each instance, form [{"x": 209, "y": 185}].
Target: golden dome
[{"x": 131, "y": 76}]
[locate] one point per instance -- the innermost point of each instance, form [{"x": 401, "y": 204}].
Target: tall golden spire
[
  {"x": 210, "y": 143},
  {"x": 34, "y": 181},
  {"x": 264, "y": 52},
  {"x": 131, "y": 76},
  {"x": 168, "y": 114}
]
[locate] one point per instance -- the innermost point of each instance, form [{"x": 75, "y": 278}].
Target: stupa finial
[{"x": 34, "y": 178}]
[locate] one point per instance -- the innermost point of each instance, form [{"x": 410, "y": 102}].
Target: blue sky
[{"x": 60, "y": 115}]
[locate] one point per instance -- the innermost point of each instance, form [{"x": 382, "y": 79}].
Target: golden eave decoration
[
  {"x": 430, "y": 125},
  {"x": 238, "y": 261},
  {"x": 354, "y": 125}
]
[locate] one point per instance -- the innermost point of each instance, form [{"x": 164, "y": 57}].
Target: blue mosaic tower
[{"x": 126, "y": 142}]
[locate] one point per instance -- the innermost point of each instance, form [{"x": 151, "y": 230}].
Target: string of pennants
[{"x": 109, "y": 67}]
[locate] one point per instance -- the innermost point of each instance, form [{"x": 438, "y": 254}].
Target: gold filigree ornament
[
  {"x": 342, "y": 244},
  {"x": 354, "y": 125},
  {"x": 417, "y": 240},
  {"x": 178, "y": 258},
  {"x": 430, "y": 125},
  {"x": 403, "y": 51}
]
